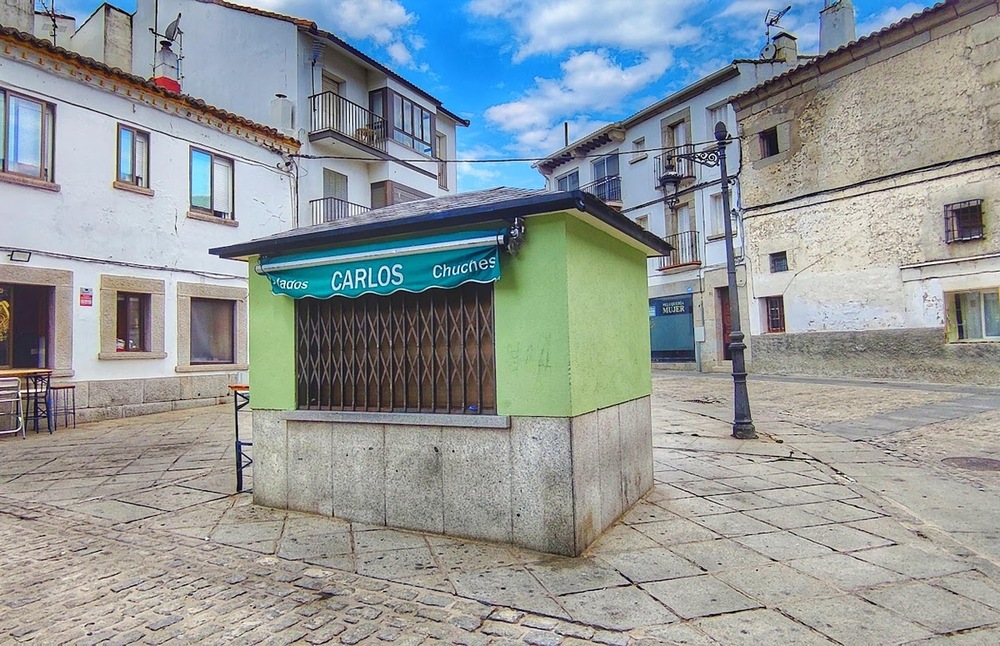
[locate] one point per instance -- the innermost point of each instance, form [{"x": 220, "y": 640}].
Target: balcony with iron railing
[
  {"x": 328, "y": 209},
  {"x": 683, "y": 167},
  {"x": 686, "y": 251},
  {"x": 335, "y": 117},
  {"x": 608, "y": 188}
]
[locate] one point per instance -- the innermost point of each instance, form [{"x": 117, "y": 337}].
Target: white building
[
  {"x": 622, "y": 163},
  {"x": 379, "y": 136},
  {"x": 111, "y": 192}
]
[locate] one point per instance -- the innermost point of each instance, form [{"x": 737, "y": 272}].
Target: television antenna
[
  {"x": 772, "y": 17},
  {"x": 50, "y": 11},
  {"x": 170, "y": 35}
]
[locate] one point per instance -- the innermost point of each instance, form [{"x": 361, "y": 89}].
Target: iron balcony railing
[
  {"x": 608, "y": 188},
  {"x": 328, "y": 209},
  {"x": 686, "y": 250},
  {"x": 330, "y": 111},
  {"x": 682, "y": 167}
]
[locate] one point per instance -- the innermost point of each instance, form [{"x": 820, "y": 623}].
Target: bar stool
[{"x": 64, "y": 403}]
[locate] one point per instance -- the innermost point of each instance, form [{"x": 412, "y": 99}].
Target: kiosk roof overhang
[{"x": 450, "y": 211}]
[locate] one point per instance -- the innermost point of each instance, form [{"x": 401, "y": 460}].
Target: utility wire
[{"x": 521, "y": 160}]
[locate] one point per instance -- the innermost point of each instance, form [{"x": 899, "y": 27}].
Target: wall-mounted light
[{"x": 19, "y": 256}]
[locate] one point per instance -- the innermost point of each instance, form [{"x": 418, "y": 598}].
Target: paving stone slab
[
  {"x": 734, "y": 524},
  {"x": 642, "y": 566},
  {"x": 841, "y": 537},
  {"x": 776, "y": 584},
  {"x": 699, "y": 596},
  {"x": 562, "y": 575},
  {"x": 783, "y": 546},
  {"x": 760, "y": 627},
  {"x": 846, "y": 572},
  {"x": 850, "y": 620},
  {"x": 938, "y": 609},
  {"x": 914, "y": 562},
  {"x": 720, "y": 554},
  {"x": 668, "y": 533},
  {"x": 616, "y": 609}
]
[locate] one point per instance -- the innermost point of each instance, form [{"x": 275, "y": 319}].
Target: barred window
[
  {"x": 431, "y": 352},
  {"x": 963, "y": 221},
  {"x": 775, "y": 310}
]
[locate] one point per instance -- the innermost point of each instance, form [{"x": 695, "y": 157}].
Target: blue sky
[{"x": 519, "y": 69}]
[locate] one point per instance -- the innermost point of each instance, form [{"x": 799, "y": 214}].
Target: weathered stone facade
[{"x": 874, "y": 142}]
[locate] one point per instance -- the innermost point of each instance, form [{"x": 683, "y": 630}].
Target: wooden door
[{"x": 726, "y": 321}]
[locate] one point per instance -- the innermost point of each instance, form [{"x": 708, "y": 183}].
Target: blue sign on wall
[{"x": 671, "y": 328}]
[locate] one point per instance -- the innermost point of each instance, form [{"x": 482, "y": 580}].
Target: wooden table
[{"x": 35, "y": 391}]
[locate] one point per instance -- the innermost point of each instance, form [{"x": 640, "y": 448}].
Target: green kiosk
[{"x": 474, "y": 365}]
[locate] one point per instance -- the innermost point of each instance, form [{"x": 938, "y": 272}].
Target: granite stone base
[
  {"x": 915, "y": 354},
  {"x": 548, "y": 484},
  {"x": 117, "y": 398}
]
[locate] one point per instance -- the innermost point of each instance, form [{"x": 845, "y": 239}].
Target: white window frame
[
  {"x": 566, "y": 176},
  {"x": 716, "y": 224},
  {"x": 138, "y": 157},
  {"x": 46, "y": 136},
  {"x": 215, "y": 195},
  {"x": 956, "y": 330},
  {"x": 638, "y": 150}
]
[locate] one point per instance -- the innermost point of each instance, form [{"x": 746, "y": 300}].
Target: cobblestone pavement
[{"x": 840, "y": 525}]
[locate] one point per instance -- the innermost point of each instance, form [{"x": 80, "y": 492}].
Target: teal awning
[{"x": 383, "y": 268}]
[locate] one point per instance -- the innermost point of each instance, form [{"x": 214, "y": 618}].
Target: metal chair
[{"x": 11, "y": 413}]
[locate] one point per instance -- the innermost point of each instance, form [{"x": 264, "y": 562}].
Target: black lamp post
[{"x": 742, "y": 423}]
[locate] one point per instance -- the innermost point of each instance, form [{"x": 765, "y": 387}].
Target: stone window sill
[
  {"x": 638, "y": 159},
  {"x": 213, "y": 367},
  {"x": 205, "y": 217},
  {"x": 120, "y": 356},
  {"x": 33, "y": 182},
  {"x": 132, "y": 188},
  {"x": 406, "y": 419},
  {"x": 716, "y": 236}
]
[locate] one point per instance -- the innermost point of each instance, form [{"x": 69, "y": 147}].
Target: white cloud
[
  {"x": 592, "y": 81},
  {"x": 887, "y": 17},
  {"x": 558, "y": 25},
  {"x": 386, "y": 22},
  {"x": 399, "y": 53},
  {"x": 750, "y": 8}
]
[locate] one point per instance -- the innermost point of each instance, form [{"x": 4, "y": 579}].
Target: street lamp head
[
  {"x": 670, "y": 180},
  {"x": 720, "y": 132}
]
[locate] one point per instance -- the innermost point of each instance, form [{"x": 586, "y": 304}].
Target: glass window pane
[
  {"x": 24, "y": 137},
  {"x": 125, "y": 146},
  {"x": 991, "y": 313},
  {"x": 212, "y": 323},
  {"x": 397, "y": 110},
  {"x": 222, "y": 187},
  {"x": 142, "y": 160},
  {"x": 201, "y": 180},
  {"x": 972, "y": 315},
  {"x": 408, "y": 116}
]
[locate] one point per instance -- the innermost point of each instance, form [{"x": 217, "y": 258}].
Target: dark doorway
[
  {"x": 725, "y": 318},
  {"x": 25, "y": 325}
]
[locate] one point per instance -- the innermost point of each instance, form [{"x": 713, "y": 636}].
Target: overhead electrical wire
[{"x": 521, "y": 160}]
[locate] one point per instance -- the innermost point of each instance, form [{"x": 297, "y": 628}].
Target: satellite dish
[
  {"x": 173, "y": 29},
  {"x": 768, "y": 52}
]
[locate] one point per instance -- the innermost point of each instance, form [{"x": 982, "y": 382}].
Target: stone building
[{"x": 870, "y": 204}]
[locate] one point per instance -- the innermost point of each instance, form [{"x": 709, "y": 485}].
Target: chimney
[
  {"x": 18, "y": 14},
  {"x": 836, "y": 25},
  {"x": 785, "y": 48},
  {"x": 165, "y": 68},
  {"x": 282, "y": 114}
]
